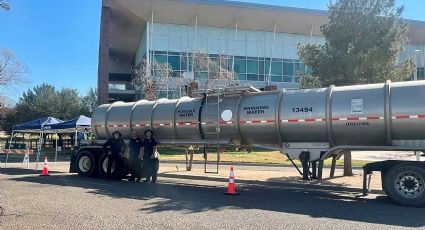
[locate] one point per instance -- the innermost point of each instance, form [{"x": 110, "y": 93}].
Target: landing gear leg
[
  {"x": 314, "y": 170},
  {"x": 320, "y": 167},
  {"x": 333, "y": 165},
  {"x": 305, "y": 158}
]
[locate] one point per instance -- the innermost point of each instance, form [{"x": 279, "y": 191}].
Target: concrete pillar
[{"x": 103, "y": 68}]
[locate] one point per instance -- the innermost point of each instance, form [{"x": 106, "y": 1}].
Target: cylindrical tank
[
  {"x": 301, "y": 112},
  {"x": 407, "y": 107},
  {"x": 163, "y": 123},
  {"x": 227, "y": 117},
  {"x": 187, "y": 119},
  {"x": 258, "y": 121},
  {"x": 356, "y": 110},
  {"x": 368, "y": 115},
  {"x": 141, "y": 116}
]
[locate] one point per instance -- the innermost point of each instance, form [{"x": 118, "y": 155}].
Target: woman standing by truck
[{"x": 150, "y": 160}]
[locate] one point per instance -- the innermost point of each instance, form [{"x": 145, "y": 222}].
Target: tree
[
  {"x": 363, "y": 38},
  {"x": 4, "y": 5},
  {"x": 41, "y": 101},
  {"x": 44, "y": 100},
  {"x": 219, "y": 73},
  {"x": 89, "y": 102},
  {"x": 6, "y": 102},
  {"x": 150, "y": 75},
  {"x": 308, "y": 81},
  {"x": 362, "y": 41},
  {"x": 7, "y": 123},
  {"x": 69, "y": 105},
  {"x": 155, "y": 76},
  {"x": 12, "y": 72}
]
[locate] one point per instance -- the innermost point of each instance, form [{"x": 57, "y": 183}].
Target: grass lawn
[{"x": 255, "y": 157}]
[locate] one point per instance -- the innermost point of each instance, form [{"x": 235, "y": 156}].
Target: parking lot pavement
[
  {"x": 374, "y": 156},
  {"x": 194, "y": 200}
]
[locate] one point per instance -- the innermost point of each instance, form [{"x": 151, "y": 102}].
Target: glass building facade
[
  {"x": 416, "y": 52},
  {"x": 255, "y": 56},
  {"x": 241, "y": 33}
]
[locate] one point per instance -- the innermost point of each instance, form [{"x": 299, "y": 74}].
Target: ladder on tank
[{"x": 212, "y": 117}]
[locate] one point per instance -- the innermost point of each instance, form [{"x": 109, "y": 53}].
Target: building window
[
  {"x": 261, "y": 77},
  {"x": 421, "y": 73},
  {"x": 252, "y": 77},
  {"x": 288, "y": 79},
  {"x": 240, "y": 66},
  {"x": 167, "y": 94},
  {"x": 241, "y": 76},
  {"x": 276, "y": 78},
  {"x": 214, "y": 65},
  {"x": 201, "y": 75},
  {"x": 252, "y": 67},
  {"x": 116, "y": 86},
  {"x": 174, "y": 62},
  {"x": 277, "y": 68},
  {"x": 288, "y": 68},
  {"x": 246, "y": 68},
  {"x": 161, "y": 59}
]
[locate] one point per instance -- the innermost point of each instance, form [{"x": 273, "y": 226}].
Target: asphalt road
[{"x": 185, "y": 201}]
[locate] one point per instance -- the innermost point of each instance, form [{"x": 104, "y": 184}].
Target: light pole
[{"x": 415, "y": 77}]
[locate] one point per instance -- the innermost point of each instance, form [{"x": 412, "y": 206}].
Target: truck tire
[
  {"x": 85, "y": 164},
  {"x": 404, "y": 184},
  {"x": 116, "y": 173}
]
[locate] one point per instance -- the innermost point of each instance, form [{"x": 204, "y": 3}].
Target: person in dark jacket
[
  {"x": 147, "y": 152},
  {"x": 134, "y": 146},
  {"x": 115, "y": 147}
]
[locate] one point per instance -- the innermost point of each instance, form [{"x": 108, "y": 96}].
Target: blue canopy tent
[
  {"x": 36, "y": 126},
  {"x": 79, "y": 123},
  {"x": 51, "y": 125}
]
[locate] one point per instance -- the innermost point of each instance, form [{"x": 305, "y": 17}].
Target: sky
[{"x": 58, "y": 40}]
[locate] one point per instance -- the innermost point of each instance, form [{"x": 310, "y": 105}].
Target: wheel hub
[
  {"x": 409, "y": 184},
  {"x": 105, "y": 165},
  {"x": 84, "y": 164}
]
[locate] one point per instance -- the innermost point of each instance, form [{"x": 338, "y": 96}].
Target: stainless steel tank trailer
[{"x": 310, "y": 125}]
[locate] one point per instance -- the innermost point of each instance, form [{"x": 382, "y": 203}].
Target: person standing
[
  {"x": 114, "y": 147},
  {"x": 134, "y": 146},
  {"x": 80, "y": 137},
  {"x": 150, "y": 162}
]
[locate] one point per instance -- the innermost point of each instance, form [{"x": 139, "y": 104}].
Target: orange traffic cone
[
  {"x": 45, "y": 168},
  {"x": 231, "y": 190}
]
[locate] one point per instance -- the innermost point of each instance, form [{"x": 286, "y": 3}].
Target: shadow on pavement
[
  {"x": 24, "y": 171},
  {"x": 33, "y": 157},
  {"x": 180, "y": 193}
]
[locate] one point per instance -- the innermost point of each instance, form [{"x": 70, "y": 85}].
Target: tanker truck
[{"x": 309, "y": 125}]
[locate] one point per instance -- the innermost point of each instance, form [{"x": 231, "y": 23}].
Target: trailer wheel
[
  {"x": 116, "y": 173},
  {"x": 405, "y": 185},
  {"x": 85, "y": 164},
  {"x": 103, "y": 165}
]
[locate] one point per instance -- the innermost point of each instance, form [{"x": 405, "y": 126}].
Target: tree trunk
[{"x": 348, "y": 169}]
